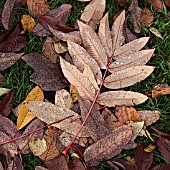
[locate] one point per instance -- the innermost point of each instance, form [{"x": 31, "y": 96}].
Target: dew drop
[
  {"x": 116, "y": 62},
  {"x": 129, "y": 57}
]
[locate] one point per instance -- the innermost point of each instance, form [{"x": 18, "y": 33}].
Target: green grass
[{"x": 18, "y": 75}]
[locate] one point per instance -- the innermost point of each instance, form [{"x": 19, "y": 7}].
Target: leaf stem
[{"x": 23, "y": 136}]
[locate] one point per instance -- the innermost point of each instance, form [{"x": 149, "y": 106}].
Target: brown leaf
[
  {"x": 50, "y": 113},
  {"x": 2, "y": 79},
  {"x": 7, "y": 104},
  {"x": 1, "y": 167},
  {"x": 75, "y": 164},
  {"x": 129, "y": 36},
  {"x": 136, "y": 15},
  {"x": 38, "y": 7},
  {"x": 46, "y": 74},
  {"x": 118, "y": 98},
  {"x": 125, "y": 114},
  {"x": 127, "y": 77},
  {"x": 59, "y": 162},
  {"x": 95, "y": 121},
  {"x": 157, "y": 4},
  {"x": 122, "y": 3},
  {"x": 93, "y": 13},
  {"x": 108, "y": 147},
  {"x": 164, "y": 148},
  {"x": 146, "y": 17},
  {"x": 77, "y": 79},
  {"x": 167, "y": 2},
  {"x": 40, "y": 168},
  {"x": 93, "y": 45},
  {"x": 160, "y": 90},
  {"x": 161, "y": 166},
  {"x": 134, "y": 59},
  {"x": 16, "y": 164},
  {"x": 60, "y": 14},
  {"x": 143, "y": 160},
  {"x": 149, "y": 116}
]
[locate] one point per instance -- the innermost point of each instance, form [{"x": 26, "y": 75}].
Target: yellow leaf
[
  {"x": 4, "y": 91},
  {"x": 28, "y": 23},
  {"x": 24, "y": 115},
  {"x": 149, "y": 136},
  {"x": 60, "y": 48},
  {"x": 149, "y": 148},
  {"x": 74, "y": 93},
  {"x": 155, "y": 32}
]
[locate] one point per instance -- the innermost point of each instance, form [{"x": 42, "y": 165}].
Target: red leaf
[
  {"x": 7, "y": 104},
  {"x": 75, "y": 164},
  {"x": 122, "y": 3},
  {"x": 157, "y": 4},
  {"x": 161, "y": 133},
  {"x": 161, "y": 167}
]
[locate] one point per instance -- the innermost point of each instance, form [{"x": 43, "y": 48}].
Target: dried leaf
[
  {"x": 161, "y": 166},
  {"x": 167, "y": 2},
  {"x": 149, "y": 116},
  {"x": 105, "y": 35},
  {"x": 7, "y": 104},
  {"x": 127, "y": 77},
  {"x": 74, "y": 93},
  {"x": 2, "y": 79},
  {"x": 125, "y": 114},
  {"x": 16, "y": 164},
  {"x": 38, "y": 7},
  {"x": 129, "y": 36},
  {"x": 28, "y": 23},
  {"x": 81, "y": 58},
  {"x": 118, "y": 98},
  {"x": 24, "y": 115},
  {"x": 136, "y": 15},
  {"x": 1, "y": 167},
  {"x": 134, "y": 59},
  {"x": 4, "y": 91},
  {"x": 149, "y": 148},
  {"x": 117, "y": 31},
  {"x": 38, "y": 146},
  {"x": 122, "y": 3},
  {"x": 93, "y": 45},
  {"x": 155, "y": 32},
  {"x": 143, "y": 159},
  {"x": 50, "y": 113},
  {"x": 164, "y": 148},
  {"x": 60, "y": 48},
  {"x": 8, "y": 59},
  {"x": 146, "y": 17},
  {"x": 93, "y": 13},
  {"x": 77, "y": 79},
  {"x": 157, "y": 4},
  {"x": 76, "y": 164},
  {"x": 40, "y": 168},
  {"x": 160, "y": 90},
  {"x": 63, "y": 99},
  {"x": 108, "y": 147},
  {"x": 46, "y": 74}
]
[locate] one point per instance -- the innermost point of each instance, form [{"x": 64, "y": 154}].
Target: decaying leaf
[
  {"x": 38, "y": 146},
  {"x": 74, "y": 93},
  {"x": 161, "y": 166},
  {"x": 40, "y": 168},
  {"x": 77, "y": 79},
  {"x": 4, "y": 91},
  {"x": 50, "y": 113},
  {"x": 28, "y": 23},
  {"x": 24, "y": 115},
  {"x": 155, "y": 32},
  {"x": 108, "y": 147},
  {"x": 146, "y": 17},
  {"x": 167, "y": 2},
  {"x": 63, "y": 99},
  {"x": 136, "y": 15},
  {"x": 122, "y": 3},
  {"x": 2, "y": 79},
  {"x": 38, "y": 7},
  {"x": 16, "y": 163},
  {"x": 60, "y": 48},
  {"x": 93, "y": 12},
  {"x": 164, "y": 148},
  {"x": 119, "y": 98},
  {"x": 149, "y": 148},
  {"x": 160, "y": 90},
  {"x": 76, "y": 164},
  {"x": 157, "y": 4}
]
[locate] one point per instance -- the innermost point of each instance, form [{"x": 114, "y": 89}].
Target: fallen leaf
[
  {"x": 28, "y": 23},
  {"x": 149, "y": 148},
  {"x": 60, "y": 48},
  {"x": 127, "y": 77},
  {"x": 157, "y": 4},
  {"x": 129, "y": 36},
  {"x": 93, "y": 45},
  {"x": 155, "y": 32},
  {"x": 167, "y": 2},
  {"x": 161, "y": 166},
  {"x": 161, "y": 133},
  {"x": 2, "y": 79},
  {"x": 122, "y": 3},
  {"x": 78, "y": 80},
  {"x": 76, "y": 164},
  {"x": 146, "y": 17},
  {"x": 24, "y": 115},
  {"x": 135, "y": 11},
  {"x": 1, "y": 167},
  {"x": 93, "y": 13},
  {"x": 118, "y": 98},
  {"x": 108, "y": 147},
  {"x": 38, "y": 146},
  {"x": 74, "y": 93},
  {"x": 143, "y": 160},
  {"x": 63, "y": 99},
  {"x": 46, "y": 74},
  {"x": 50, "y": 113},
  {"x": 40, "y": 168},
  {"x": 8, "y": 59},
  {"x": 164, "y": 148},
  {"x": 125, "y": 114},
  {"x": 160, "y": 90},
  {"x": 16, "y": 164},
  {"x": 6, "y": 104},
  {"x": 38, "y": 7},
  {"x": 4, "y": 91},
  {"x": 149, "y": 117}
]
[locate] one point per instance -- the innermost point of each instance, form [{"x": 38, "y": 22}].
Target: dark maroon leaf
[
  {"x": 75, "y": 164},
  {"x": 161, "y": 167},
  {"x": 7, "y": 104},
  {"x": 46, "y": 74},
  {"x": 2, "y": 79},
  {"x": 8, "y": 59},
  {"x": 122, "y": 3},
  {"x": 5, "y": 36},
  {"x": 143, "y": 160},
  {"x": 161, "y": 133},
  {"x": 16, "y": 164},
  {"x": 13, "y": 44},
  {"x": 164, "y": 148}
]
